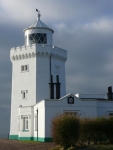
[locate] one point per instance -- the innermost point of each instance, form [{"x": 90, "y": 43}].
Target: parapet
[{"x": 36, "y": 50}]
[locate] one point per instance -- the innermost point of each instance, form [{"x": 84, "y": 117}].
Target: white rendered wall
[
  {"x": 35, "y": 80},
  {"x": 41, "y": 119},
  {"x": 58, "y": 57},
  {"x": 26, "y": 111},
  {"x": 61, "y": 74},
  {"x": 84, "y": 108},
  {"x": 104, "y": 108},
  {"x": 22, "y": 81},
  {"x": 57, "y": 107}
]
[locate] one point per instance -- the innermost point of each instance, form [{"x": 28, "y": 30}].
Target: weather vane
[
  {"x": 38, "y": 15},
  {"x": 37, "y": 10}
]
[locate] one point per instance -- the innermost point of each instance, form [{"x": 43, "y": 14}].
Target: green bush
[{"x": 65, "y": 130}]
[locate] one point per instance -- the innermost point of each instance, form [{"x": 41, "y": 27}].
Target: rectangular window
[
  {"x": 57, "y": 69},
  {"x": 24, "y": 68},
  {"x": 70, "y": 113},
  {"x": 25, "y": 123},
  {"x": 24, "y": 94}
]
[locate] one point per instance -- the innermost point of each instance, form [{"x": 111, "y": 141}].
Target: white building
[{"x": 39, "y": 89}]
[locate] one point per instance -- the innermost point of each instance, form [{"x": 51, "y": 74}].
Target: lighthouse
[
  {"x": 38, "y": 72},
  {"x": 39, "y": 88}
]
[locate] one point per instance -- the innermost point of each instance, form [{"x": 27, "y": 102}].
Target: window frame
[
  {"x": 39, "y": 38},
  {"x": 24, "y": 68},
  {"x": 25, "y": 123},
  {"x": 57, "y": 69},
  {"x": 24, "y": 94},
  {"x": 70, "y": 100},
  {"x": 72, "y": 112}
]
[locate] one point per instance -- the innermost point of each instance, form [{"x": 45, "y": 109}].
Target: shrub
[
  {"x": 85, "y": 130},
  {"x": 99, "y": 128},
  {"x": 93, "y": 130},
  {"x": 65, "y": 130}
]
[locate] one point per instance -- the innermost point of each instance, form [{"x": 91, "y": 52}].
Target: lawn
[{"x": 90, "y": 147}]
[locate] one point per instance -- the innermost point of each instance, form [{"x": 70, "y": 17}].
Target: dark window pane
[{"x": 38, "y": 38}]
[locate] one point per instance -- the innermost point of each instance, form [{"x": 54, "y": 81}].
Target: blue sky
[{"x": 83, "y": 27}]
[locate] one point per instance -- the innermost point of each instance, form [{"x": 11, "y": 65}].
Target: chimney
[
  {"x": 57, "y": 87},
  {"x": 51, "y": 88},
  {"x": 110, "y": 97}
]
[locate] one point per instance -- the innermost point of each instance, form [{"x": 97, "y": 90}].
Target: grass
[
  {"x": 91, "y": 147},
  {"x": 103, "y": 147},
  {"x": 29, "y": 142}
]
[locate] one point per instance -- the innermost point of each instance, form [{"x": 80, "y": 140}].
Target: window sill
[
  {"x": 24, "y": 71},
  {"x": 25, "y": 130}
]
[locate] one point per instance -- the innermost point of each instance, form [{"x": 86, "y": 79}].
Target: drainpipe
[
  {"x": 50, "y": 64},
  {"x": 37, "y": 123},
  {"x": 51, "y": 88},
  {"x": 57, "y": 87},
  {"x": 51, "y": 84}
]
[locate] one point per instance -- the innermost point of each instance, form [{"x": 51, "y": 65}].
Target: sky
[{"x": 83, "y": 27}]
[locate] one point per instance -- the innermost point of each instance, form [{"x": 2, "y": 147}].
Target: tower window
[
  {"x": 24, "y": 68},
  {"x": 40, "y": 38},
  {"x": 24, "y": 94},
  {"x": 57, "y": 69}
]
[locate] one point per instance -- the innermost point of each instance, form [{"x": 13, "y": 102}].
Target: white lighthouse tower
[{"x": 38, "y": 71}]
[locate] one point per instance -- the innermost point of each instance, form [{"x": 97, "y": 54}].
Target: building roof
[{"x": 38, "y": 24}]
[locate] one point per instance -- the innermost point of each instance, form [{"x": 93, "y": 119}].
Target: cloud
[
  {"x": 103, "y": 25},
  {"x": 89, "y": 64}
]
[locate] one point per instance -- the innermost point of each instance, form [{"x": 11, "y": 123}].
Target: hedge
[
  {"x": 65, "y": 130},
  {"x": 68, "y": 130}
]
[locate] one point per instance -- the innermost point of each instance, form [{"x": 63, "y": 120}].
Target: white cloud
[{"x": 101, "y": 25}]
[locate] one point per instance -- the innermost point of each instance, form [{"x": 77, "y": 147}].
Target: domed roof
[{"x": 39, "y": 24}]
